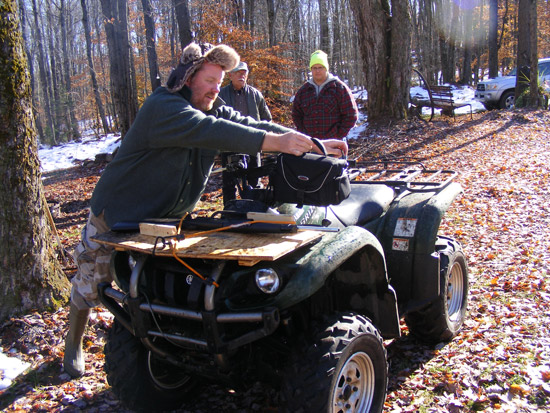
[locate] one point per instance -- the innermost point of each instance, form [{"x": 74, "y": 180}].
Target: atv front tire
[
  {"x": 343, "y": 368},
  {"x": 442, "y": 319},
  {"x": 140, "y": 379}
]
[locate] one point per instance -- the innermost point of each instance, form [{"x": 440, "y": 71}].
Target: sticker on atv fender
[
  {"x": 405, "y": 227},
  {"x": 400, "y": 244}
]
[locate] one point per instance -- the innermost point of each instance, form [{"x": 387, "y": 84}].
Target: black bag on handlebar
[{"x": 310, "y": 179}]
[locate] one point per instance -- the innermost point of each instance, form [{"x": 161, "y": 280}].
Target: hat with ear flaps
[{"x": 194, "y": 55}]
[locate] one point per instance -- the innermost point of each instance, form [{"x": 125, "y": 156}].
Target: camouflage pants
[{"x": 93, "y": 262}]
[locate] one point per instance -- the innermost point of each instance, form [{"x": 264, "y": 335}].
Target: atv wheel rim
[
  {"x": 354, "y": 390},
  {"x": 455, "y": 292},
  {"x": 165, "y": 375}
]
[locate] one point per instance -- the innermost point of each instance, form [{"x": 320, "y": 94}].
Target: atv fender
[
  {"x": 408, "y": 233},
  {"x": 354, "y": 258}
]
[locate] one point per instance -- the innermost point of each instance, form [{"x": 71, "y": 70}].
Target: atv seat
[{"x": 365, "y": 202}]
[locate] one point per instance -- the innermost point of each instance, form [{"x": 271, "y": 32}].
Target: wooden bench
[{"x": 442, "y": 98}]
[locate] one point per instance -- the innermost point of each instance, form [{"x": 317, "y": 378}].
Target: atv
[{"x": 298, "y": 295}]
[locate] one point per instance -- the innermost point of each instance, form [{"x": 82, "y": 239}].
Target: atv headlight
[{"x": 267, "y": 280}]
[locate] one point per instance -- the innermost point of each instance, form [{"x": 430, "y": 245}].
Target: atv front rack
[
  {"x": 247, "y": 249},
  {"x": 403, "y": 175}
]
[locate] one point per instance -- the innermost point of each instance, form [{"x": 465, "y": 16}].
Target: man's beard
[{"x": 202, "y": 104}]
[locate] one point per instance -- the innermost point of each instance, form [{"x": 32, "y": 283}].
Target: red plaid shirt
[{"x": 330, "y": 115}]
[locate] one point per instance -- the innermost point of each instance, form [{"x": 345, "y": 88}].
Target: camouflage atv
[{"x": 305, "y": 304}]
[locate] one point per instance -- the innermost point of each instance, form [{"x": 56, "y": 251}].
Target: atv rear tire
[
  {"x": 343, "y": 368},
  {"x": 442, "y": 319},
  {"x": 139, "y": 379}
]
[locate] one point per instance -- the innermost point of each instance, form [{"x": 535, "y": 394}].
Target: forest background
[{"x": 92, "y": 63}]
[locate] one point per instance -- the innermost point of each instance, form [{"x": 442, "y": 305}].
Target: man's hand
[
  {"x": 294, "y": 143},
  {"x": 333, "y": 147}
]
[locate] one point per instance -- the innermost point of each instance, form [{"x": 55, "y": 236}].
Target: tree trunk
[
  {"x": 124, "y": 95},
  {"x": 249, "y": 16},
  {"x": 296, "y": 25},
  {"x": 31, "y": 70},
  {"x": 324, "y": 34},
  {"x": 91, "y": 68},
  {"x": 67, "y": 72},
  {"x": 109, "y": 104},
  {"x": 468, "y": 45},
  {"x": 337, "y": 55},
  {"x": 173, "y": 31},
  {"x": 448, "y": 16},
  {"x": 384, "y": 40},
  {"x": 154, "y": 73},
  {"x": 534, "y": 79},
  {"x": 400, "y": 67},
  {"x": 271, "y": 22},
  {"x": 427, "y": 57},
  {"x": 184, "y": 22},
  {"x": 428, "y": 35},
  {"x": 52, "y": 75},
  {"x": 238, "y": 13},
  {"x": 493, "y": 42},
  {"x": 43, "y": 75},
  {"x": 524, "y": 46},
  {"x": 371, "y": 18},
  {"x": 31, "y": 277}
]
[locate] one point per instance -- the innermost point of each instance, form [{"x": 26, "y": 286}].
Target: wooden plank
[
  {"x": 442, "y": 89},
  {"x": 449, "y": 103},
  {"x": 157, "y": 230},
  {"x": 438, "y": 102},
  {"x": 248, "y": 249}
]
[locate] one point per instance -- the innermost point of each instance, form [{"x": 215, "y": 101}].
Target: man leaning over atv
[{"x": 162, "y": 166}]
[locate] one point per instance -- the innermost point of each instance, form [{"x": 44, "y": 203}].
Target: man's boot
[{"x": 73, "y": 362}]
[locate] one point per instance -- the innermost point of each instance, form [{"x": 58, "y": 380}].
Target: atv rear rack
[{"x": 406, "y": 175}]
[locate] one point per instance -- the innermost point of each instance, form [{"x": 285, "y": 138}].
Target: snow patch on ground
[{"x": 10, "y": 368}]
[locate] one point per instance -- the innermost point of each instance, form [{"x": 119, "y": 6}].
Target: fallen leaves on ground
[
  {"x": 501, "y": 359},
  {"x": 499, "y": 362}
]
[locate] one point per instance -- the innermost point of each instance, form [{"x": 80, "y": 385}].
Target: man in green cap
[{"x": 324, "y": 106}]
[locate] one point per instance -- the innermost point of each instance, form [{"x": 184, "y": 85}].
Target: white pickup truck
[{"x": 499, "y": 92}]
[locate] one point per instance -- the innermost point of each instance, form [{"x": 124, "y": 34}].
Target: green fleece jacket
[{"x": 165, "y": 159}]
